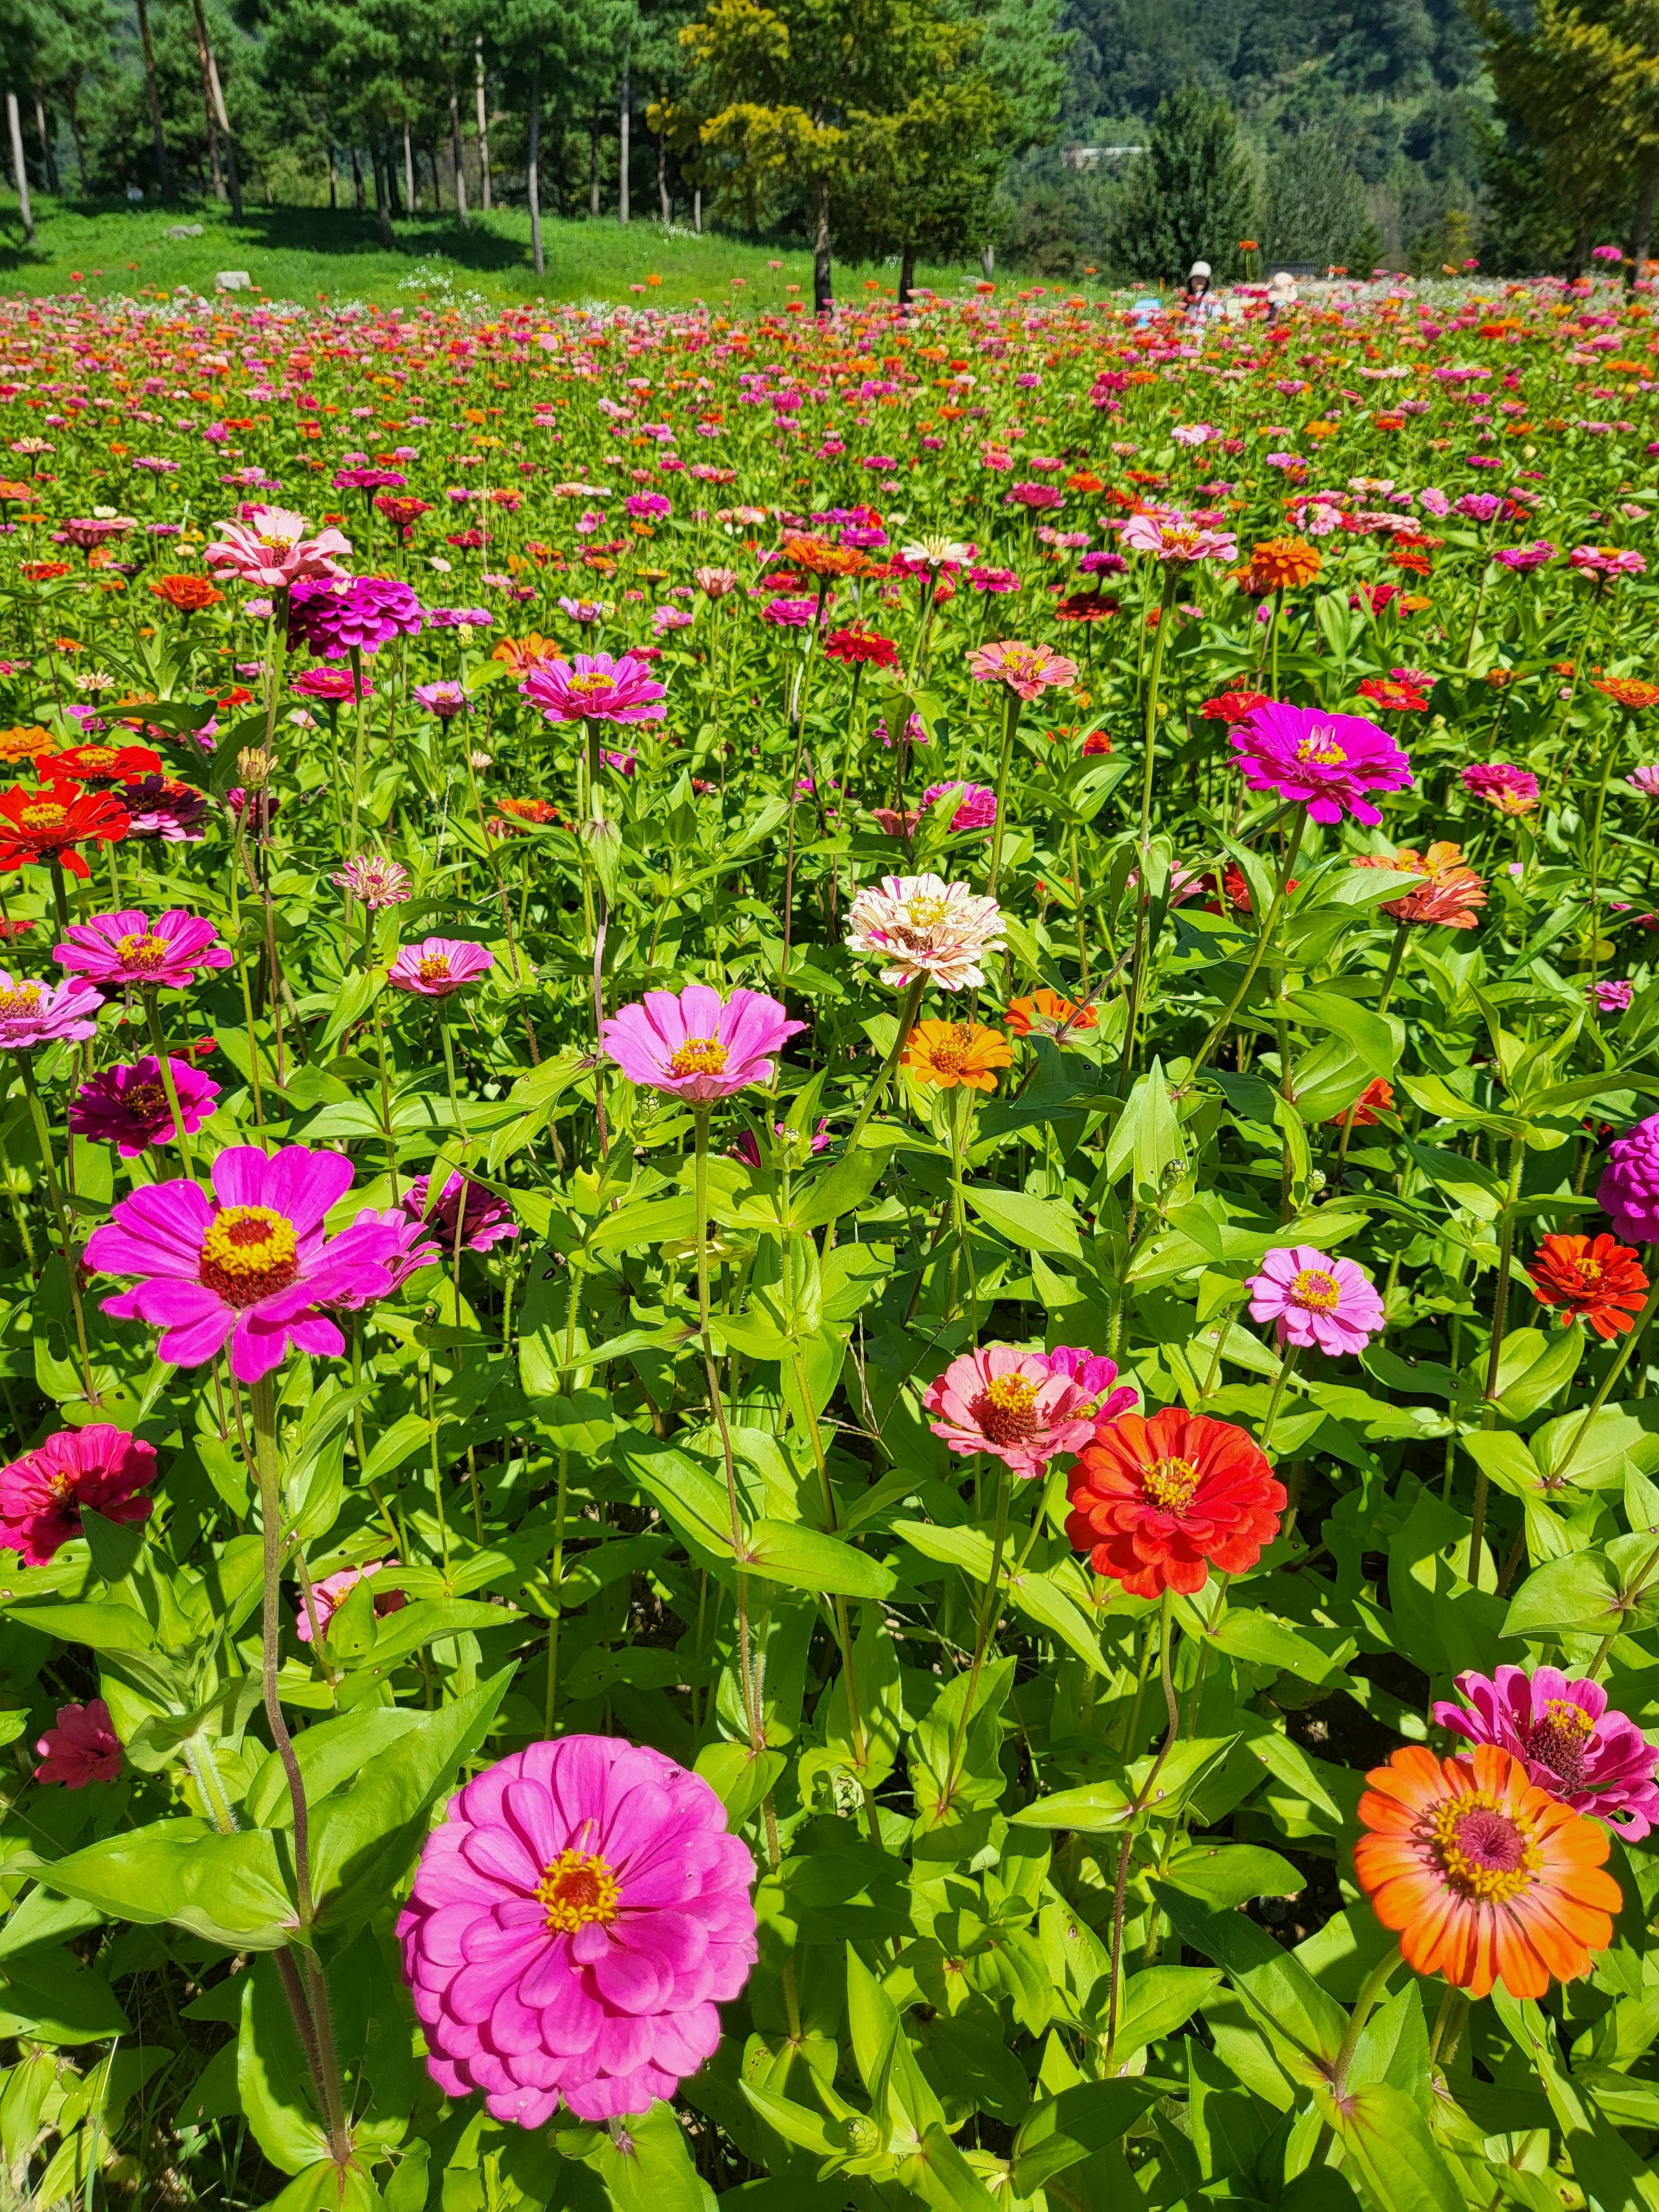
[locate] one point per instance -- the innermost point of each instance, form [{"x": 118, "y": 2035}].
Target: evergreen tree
[
  {"x": 1316, "y": 206},
  {"x": 1190, "y": 197}
]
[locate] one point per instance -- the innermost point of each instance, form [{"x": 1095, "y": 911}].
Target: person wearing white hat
[
  {"x": 1282, "y": 296},
  {"x": 1198, "y": 296}
]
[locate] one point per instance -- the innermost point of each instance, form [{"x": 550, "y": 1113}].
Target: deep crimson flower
[
  {"x": 1156, "y": 1502},
  {"x": 83, "y": 1746},
  {"x": 41, "y": 1494}
]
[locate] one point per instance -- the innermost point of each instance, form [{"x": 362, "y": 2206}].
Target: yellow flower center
[
  {"x": 1169, "y": 1483},
  {"x": 97, "y": 758},
  {"x": 699, "y": 1056},
  {"x": 1486, "y": 1852},
  {"x": 22, "y": 1000},
  {"x": 947, "y": 1051},
  {"x": 434, "y": 968},
  {"x": 143, "y": 949},
  {"x": 579, "y": 1886},
  {"x": 145, "y": 1101},
  {"x": 1012, "y": 1393},
  {"x": 43, "y": 816},
  {"x": 1563, "y": 1713},
  {"x": 1316, "y": 1290},
  {"x": 926, "y": 910},
  {"x": 249, "y": 1252},
  {"x": 589, "y": 683},
  {"x": 273, "y": 542},
  {"x": 1322, "y": 750}
]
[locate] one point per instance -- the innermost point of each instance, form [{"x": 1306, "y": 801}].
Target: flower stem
[
  {"x": 1494, "y": 1357},
  {"x": 873, "y": 1096},
  {"x": 1009, "y": 725},
  {"x": 1142, "y": 1799},
  {"x": 1375, "y": 1982},
  {"x": 1224, "y": 1022},
  {"x": 55, "y": 1193},
  {"x": 1287, "y": 1360},
  {"x": 159, "y": 1046},
  {"x": 990, "y": 1606}
]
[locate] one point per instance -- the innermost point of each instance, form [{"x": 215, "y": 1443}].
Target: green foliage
[{"x": 1190, "y": 197}]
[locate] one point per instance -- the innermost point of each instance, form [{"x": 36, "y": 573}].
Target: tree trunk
[
  {"x": 48, "y": 157},
  {"x": 532, "y": 170},
  {"x": 390, "y": 165},
  {"x": 907, "y": 273},
  {"x": 382, "y": 211},
  {"x": 593, "y": 165},
  {"x": 432, "y": 149},
  {"x": 357, "y": 180},
  {"x": 207, "y": 105},
  {"x": 1580, "y": 247},
  {"x": 622, "y": 119},
  {"x": 411, "y": 183},
  {"x": 483, "y": 129},
  {"x": 455, "y": 153},
  {"x": 333, "y": 182},
  {"x": 163, "y": 179},
  {"x": 71, "y": 109},
  {"x": 19, "y": 174},
  {"x": 823, "y": 297},
  {"x": 216, "y": 111},
  {"x": 663, "y": 201},
  {"x": 1641, "y": 229},
  {"x": 988, "y": 260},
  {"x": 696, "y": 209}
]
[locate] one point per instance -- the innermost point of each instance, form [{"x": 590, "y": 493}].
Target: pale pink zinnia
[
  {"x": 83, "y": 1746},
  {"x": 922, "y": 925},
  {"x": 271, "y": 547},
  {"x": 1326, "y": 762},
  {"x": 1028, "y": 670},
  {"x": 438, "y": 966},
  {"x": 1021, "y": 1407},
  {"x": 1598, "y": 1762},
  {"x": 34, "y": 1014},
  {"x": 128, "y": 951},
  {"x": 42, "y": 1493},
  {"x": 1174, "y": 537},
  {"x": 251, "y": 1266},
  {"x": 1315, "y": 1300},
  {"x": 695, "y": 1045},
  {"x": 575, "y": 1923}
]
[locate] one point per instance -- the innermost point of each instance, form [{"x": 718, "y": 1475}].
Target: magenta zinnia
[
  {"x": 250, "y": 1265},
  {"x": 1598, "y": 1762},
  {"x": 127, "y": 950},
  {"x": 575, "y": 1923},
  {"x": 696, "y": 1045},
  {"x": 1326, "y": 762},
  {"x": 438, "y": 966},
  {"x": 41, "y": 1494},
  {"x": 594, "y": 688},
  {"x": 128, "y": 1105}
]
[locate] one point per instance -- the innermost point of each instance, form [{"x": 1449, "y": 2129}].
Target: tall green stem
[
  {"x": 1281, "y": 890},
  {"x": 55, "y": 1193},
  {"x": 1010, "y": 725},
  {"x": 872, "y": 1098},
  {"x": 990, "y": 1606},
  {"x": 1500, "y": 1307},
  {"x": 164, "y": 1063}
]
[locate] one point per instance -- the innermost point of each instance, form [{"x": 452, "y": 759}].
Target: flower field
[{"x": 831, "y": 1201}]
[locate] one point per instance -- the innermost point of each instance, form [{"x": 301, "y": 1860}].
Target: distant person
[
  {"x": 1144, "y": 311},
  {"x": 1198, "y": 298},
  {"x": 1282, "y": 296}
]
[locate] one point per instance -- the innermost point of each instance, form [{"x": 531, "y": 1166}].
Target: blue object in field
[{"x": 1144, "y": 310}]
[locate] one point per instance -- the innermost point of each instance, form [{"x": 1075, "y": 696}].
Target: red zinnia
[
  {"x": 1593, "y": 1278},
  {"x": 36, "y": 826},
  {"x": 1377, "y": 1094},
  {"x": 1393, "y": 698},
  {"x": 99, "y": 767},
  {"x": 859, "y": 645},
  {"x": 1232, "y": 706},
  {"x": 1155, "y": 1503}
]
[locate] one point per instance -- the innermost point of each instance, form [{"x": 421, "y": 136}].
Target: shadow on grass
[{"x": 342, "y": 232}]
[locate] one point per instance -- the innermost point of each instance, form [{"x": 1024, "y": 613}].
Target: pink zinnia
[
  {"x": 34, "y": 1014},
  {"x": 696, "y": 1045},
  {"x": 484, "y": 1220},
  {"x": 1608, "y": 561},
  {"x": 976, "y": 803},
  {"x": 41, "y": 1494},
  {"x": 271, "y": 547},
  {"x": 1176, "y": 538},
  {"x": 328, "y": 1596},
  {"x": 1644, "y": 778},
  {"x": 1028, "y": 670},
  {"x": 594, "y": 688},
  {"x": 1017, "y": 1406},
  {"x": 1326, "y": 762},
  {"x": 1510, "y": 790},
  {"x": 1598, "y": 1762},
  {"x": 128, "y": 1105},
  {"x": 574, "y": 1924},
  {"x": 83, "y": 1746},
  {"x": 445, "y": 700},
  {"x": 1628, "y": 1193},
  {"x": 1316, "y": 1300},
  {"x": 125, "y": 950},
  {"x": 251, "y": 1266},
  {"x": 438, "y": 966}
]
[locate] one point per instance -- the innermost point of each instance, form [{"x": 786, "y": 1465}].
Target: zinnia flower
[
  {"x": 376, "y": 881},
  {"x": 1484, "y": 1877},
  {"x": 439, "y": 966},
  {"x": 1045, "y": 1014},
  {"x": 328, "y": 1596},
  {"x": 1316, "y": 1300},
  {"x": 251, "y": 1264},
  {"x": 127, "y": 951},
  {"x": 861, "y": 646},
  {"x": 1328, "y": 762},
  {"x": 485, "y": 1218},
  {"x": 925, "y": 926},
  {"x": 1628, "y": 1193},
  {"x": 1510, "y": 790},
  {"x": 1028, "y": 670},
  {"x": 1022, "y": 1407},
  {"x": 359, "y": 615},
  {"x": 976, "y": 803},
  {"x": 1174, "y": 537},
  {"x": 949, "y": 1053},
  {"x": 185, "y": 595},
  {"x": 1156, "y": 1502},
  {"x": 1451, "y": 894},
  {"x": 40, "y": 826},
  {"x": 83, "y": 1746},
  {"x": 34, "y": 1014},
  {"x": 695, "y": 1045},
  {"x": 99, "y": 767},
  {"x": 1596, "y": 1761},
  {"x": 594, "y": 688},
  {"x": 1376, "y": 1096},
  {"x": 1392, "y": 697},
  {"x": 127, "y": 1105},
  {"x": 1232, "y": 706},
  {"x": 1593, "y": 1278},
  {"x": 1282, "y": 564},
  {"x": 271, "y": 547},
  {"x": 42, "y": 1493},
  {"x": 573, "y": 1926},
  {"x": 445, "y": 700},
  {"x": 1610, "y": 996},
  {"x": 1629, "y": 692}
]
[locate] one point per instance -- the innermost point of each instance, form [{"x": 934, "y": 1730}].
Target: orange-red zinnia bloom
[
  {"x": 1282, "y": 564},
  {"x": 185, "y": 595},
  {"x": 1629, "y": 692},
  {"x": 1157, "y": 1503},
  {"x": 1045, "y": 1014},
  {"x": 1485, "y": 1877},
  {"x": 47, "y": 825},
  {"x": 1593, "y": 1278},
  {"x": 1378, "y": 1094}
]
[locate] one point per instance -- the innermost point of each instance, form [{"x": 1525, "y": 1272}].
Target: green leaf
[
  {"x": 1577, "y": 1594},
  {"x": 1278, "y": 1989},
  {"x": 646, "y": 2166},
  {"x": 942, "y": 2177},
  {"x": 1073, "y": 2126},
  {"x": 328, "y": 1753},
  {"x": 1224, "y": 1875},
  {"x": 50, "y": 1998},
  {"x": 810, "y": 1558},
  {"x": 1096, "y": 1809},
  {"x": 114, "y": 1545},
  {"x": 1147, "y": 1134},
  {"x": 1038, "y": 1224},
  {"x": 103, "y": 1627},
  {"x": 228, "y": 1888},
  {"x": 1160, "y": 1999},
  {"x": 272, "y": 2078},
  {"x": 413, "y": 1626},
  {"x": 1386, "y": 2133},
  {"x": 1371, "y": 1034}
]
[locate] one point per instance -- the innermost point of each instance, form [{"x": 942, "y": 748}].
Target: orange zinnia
[
  {"x": 1377, "y": 1095},
  {"x": 25, "y": 741},
  {"x": 1045, "y": 1014},
  {"x": 1593, "y": 1278},
  {"x": 1629, "y": 692},
  {"x": 950, "y": 1053},
  {"x": 1451, "y": 892},
  {"x": 1284, "y": 564},
  {"x": 1484, "y": 1876},
  {"x": 524, "y": 655},
  {"x": 816, "y": 558},
  {"x": 185, "y": 595}
]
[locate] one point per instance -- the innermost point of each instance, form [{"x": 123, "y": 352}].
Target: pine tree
[{"x": 1190, "y": 197}]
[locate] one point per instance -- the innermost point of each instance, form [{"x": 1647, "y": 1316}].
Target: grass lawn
[{"x": 307, "y": 253}]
